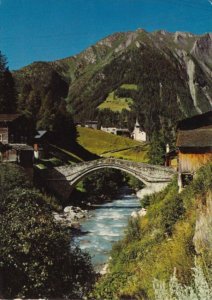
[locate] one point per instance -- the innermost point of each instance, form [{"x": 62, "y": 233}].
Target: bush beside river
[
  {"x": 37, "y": 259},
  {"x": 174, "y": 231}
]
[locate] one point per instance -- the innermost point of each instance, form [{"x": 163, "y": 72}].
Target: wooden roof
[
  {"x": 197, "y": 138},
  {"x": 9, "y": 117}
]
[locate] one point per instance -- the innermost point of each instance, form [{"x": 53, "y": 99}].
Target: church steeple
[
  {"x": 138, "y": 134},
  {"x": 137, "y": 125}
]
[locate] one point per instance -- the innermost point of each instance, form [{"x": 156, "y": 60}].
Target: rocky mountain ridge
[{"x": 173, "y": 73}]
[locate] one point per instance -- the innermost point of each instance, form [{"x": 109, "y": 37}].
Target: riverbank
[
  {"x": 173, "y": 234},
  {"x": 104, "y": 226},
  {"x": 70, "y": 217},
  {"x": 97, "y": 228}
]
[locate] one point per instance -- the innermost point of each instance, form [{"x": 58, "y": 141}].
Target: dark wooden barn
[{"x": 16, "y": 132}]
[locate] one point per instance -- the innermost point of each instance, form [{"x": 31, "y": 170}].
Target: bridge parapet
[
  {"x": 147, "y": 172},
  {"x": 62, "y": 179}
]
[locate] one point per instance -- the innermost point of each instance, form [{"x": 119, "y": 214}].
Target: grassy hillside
[
  {"x": 156, "y": 244},
  {"x": 115, "y": 103},
  {"x": 105, "y": 144}
]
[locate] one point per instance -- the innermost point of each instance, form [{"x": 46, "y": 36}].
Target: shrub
[
  {"x": 133, "y": 231},
  {"x": 201, "y": 288},
  {"x": 171, "y": 212},
  {"x": 37, "y": 257},
  {"x": 146, "y": 252},
  {"x": 11, "y": 177}
]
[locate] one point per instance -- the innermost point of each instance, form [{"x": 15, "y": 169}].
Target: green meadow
[
  {"x": 115, "y": 103},
  {"x": 109, "y": 145}
]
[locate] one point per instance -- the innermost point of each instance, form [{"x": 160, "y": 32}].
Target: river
[{"x": 104, "y": 226}]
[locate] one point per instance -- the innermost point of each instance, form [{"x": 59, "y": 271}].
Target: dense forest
[{"x": 48, "y": 112}]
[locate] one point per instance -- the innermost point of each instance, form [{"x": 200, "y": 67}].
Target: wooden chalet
[
  {"x": 15, "y": 135},
  {"x": 194, "y": 145}
]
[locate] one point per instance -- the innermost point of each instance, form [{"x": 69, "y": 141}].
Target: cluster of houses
[
  {"x": 138, "y": 133},
  {"x": 193, "y": 144},
  {"x": 19, "y": 142}
]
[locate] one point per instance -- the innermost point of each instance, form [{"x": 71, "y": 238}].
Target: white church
[{"x": 138, "y": 134}]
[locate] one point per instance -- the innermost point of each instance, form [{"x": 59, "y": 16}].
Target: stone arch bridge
[{"x": 63, "y": 179}]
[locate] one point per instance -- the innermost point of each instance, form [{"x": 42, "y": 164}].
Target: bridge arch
[
  {"x": 92, "y": 170},
  {"x": 62, "y": 179}
]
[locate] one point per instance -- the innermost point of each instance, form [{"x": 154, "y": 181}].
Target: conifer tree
[{"x": 7, "y": 88}]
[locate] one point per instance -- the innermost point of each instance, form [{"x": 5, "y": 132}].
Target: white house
[
  {"x": 138, "y": 134},
  {"x": 109, "y": 129},
  {"x": 117, "y": 131}
]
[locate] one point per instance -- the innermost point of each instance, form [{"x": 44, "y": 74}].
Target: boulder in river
[{"x": 70, "y": 216}]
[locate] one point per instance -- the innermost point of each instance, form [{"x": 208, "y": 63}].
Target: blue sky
[{"x": 35, "y": 30}]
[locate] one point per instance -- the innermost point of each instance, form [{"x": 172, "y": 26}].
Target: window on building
[{"x": 186, "y": 179}]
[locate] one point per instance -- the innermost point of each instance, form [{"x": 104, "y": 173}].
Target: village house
[
  {"x": 117, "y": 131},
  {"x": 109, "y": 129},
  {"x": 194, "y": 146},
  {"x": 138, "y": 134},
  {"x": 91, "y": 124},
  {"x": 15, "y": 135}
]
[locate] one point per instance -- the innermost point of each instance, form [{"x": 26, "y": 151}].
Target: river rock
[
  {"x": 134, "y": 214},
  {"x": 73, "y": 212},
  {"x": 139, "y": 213},
  {"x": 104, "y": 270},
  {"x": 62, "y": 219},
  {"x": 142, "y": 212},
  {"x": 70, "y": 216}
]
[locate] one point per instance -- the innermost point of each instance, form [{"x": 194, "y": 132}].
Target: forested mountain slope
[{"x": 172, "y": 73}]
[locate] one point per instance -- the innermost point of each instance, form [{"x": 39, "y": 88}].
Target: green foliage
[
  {"x": 157, "y": 149},
  {"x": 159, "y": 242},
  {"x": 106, "y": 144},
  {"x": 112, "y": 118},
  {"x": 171, "y": 213},
  {"x": 134, "y": 183},
  {"x": 64, "y": 130},
  {"x": 37, "y": 257},
  {"x": 202, "y": 182},
  {"x": 103, "y": 185},
  {"x": 145, "y": 201},
  {"x": 11, "y": 177},
  {"x": 115, "y": 103},
  {"x": 151, "y": 75},
  {"x": 108, "y": 288},
  {"x": 133, "y": 230},
  {"x": 126, "y": 86},
  {"x": 7, "y": 88},
  {"x": 201, "y": 288},
  {"x": 42, "y": 94}
]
